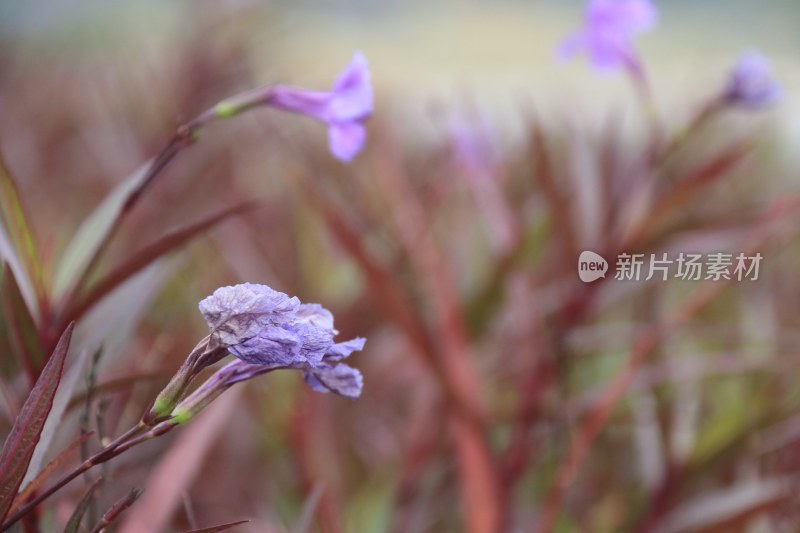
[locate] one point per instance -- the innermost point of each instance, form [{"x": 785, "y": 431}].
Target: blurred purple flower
[
  {"x": 267, "y": 330},
  {"x": 344, "y": 108},
  {"x": 751, "y": 83},
  {"x": 608, "y": 32}
]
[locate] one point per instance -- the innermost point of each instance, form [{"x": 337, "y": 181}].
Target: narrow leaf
[
  {"x": 116, "y": 510},
  {"x": 21, "y": 325},
  {"x": 146, "y": 256},
  {"x": 221, "y": 527},
  {"x": 77, "y": 515},
  {"x": 92, "y": 232},
  {"x": 16, "y": 221},
  {"x": 21, "y": 442},
  {"x": 65, "y": 391},
  {"x": 9, "y": 255}
]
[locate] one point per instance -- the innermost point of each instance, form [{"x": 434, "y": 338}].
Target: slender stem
[{"x": 119, "y": 445}]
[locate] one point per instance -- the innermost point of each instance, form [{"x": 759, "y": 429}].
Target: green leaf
[
  {"x": 77, "y": 515},
  {"x": 15, "y": 220},
  {"x": 20, "y": 324},
  {"x": 21, "y": 441},
  {"x": 93, "y": 231}
]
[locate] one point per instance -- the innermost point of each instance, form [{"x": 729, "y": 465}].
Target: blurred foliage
[{"x": 453, "y": 251}]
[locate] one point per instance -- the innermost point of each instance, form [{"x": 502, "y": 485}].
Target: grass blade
[{"x": 21, "y": 442}]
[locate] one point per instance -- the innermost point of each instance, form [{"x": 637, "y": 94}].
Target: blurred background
[{"x": 501, "y": 393}]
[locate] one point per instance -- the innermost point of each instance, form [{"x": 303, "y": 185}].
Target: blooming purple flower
[
  {"x": 344, "y": 108},
  {"x": 267, "y": 330},
  {"x": 751, "y": 83},
  {"x": 608, "y": 32}
]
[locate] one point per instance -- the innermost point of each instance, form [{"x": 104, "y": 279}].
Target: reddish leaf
[
  {"x": 51, "y": 467},
  {"x": 221, "y": 527},
  {"x": 114, "y": 512},
  {"x": 146, "y": 256},
  {"x": 21, "y": 442}
]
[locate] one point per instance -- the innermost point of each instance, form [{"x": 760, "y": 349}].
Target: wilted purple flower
[
  {"x": 751, "y": 83},
  {"x": 267, "y": 330},
  {"x": 236, "y": 314},
  {"x": 344, "y": 108},
  {"x": 608, "y": 32}
]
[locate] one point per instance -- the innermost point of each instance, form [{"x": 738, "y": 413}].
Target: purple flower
[
  {"x": 751, "y": 83},
  {"x": 236, "y": 314},
  {"x": 267, "y": 330},
  {"x": 344, "y": 108},
  {"x": 608, "y": 32}
]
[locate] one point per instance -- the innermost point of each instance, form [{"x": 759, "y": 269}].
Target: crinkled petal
[
  {"x": 341, "y": 350},
  {"x": 315, "y": 315},
  {"x": 346, "y": 139},
  {"x": 341, "y": 379},
  {"x": 272, "y": 345},
  {"x": 237, "y": 313},
  {"x": 352, "y": 97},
  {"x": 316, "y": 342}
]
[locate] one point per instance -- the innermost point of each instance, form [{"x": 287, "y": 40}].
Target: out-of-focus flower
[
  {"x": 751, "y": 83},
  {"x": 344, "y": 108},
  {"x": 608, "y": 32},
  {"x": 268, "y": 330}
]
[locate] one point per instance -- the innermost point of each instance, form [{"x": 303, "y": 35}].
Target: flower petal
[
  {"x": 352, "y": 92},
  {"x": 341, "y": 379},
  {"x": 272, "y": 345},
  {"x": 235, "y": 314},
  {"x": 346, "y": 139},
  {"x": 341, "y": 350}
]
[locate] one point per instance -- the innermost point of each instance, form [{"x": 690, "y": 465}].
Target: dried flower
[
  {"x": 344, "y": 108},
  {"x": 608, "y": 32},
  {"x": 751, "y": 83},
  {"x": 267, "y": 330}
]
